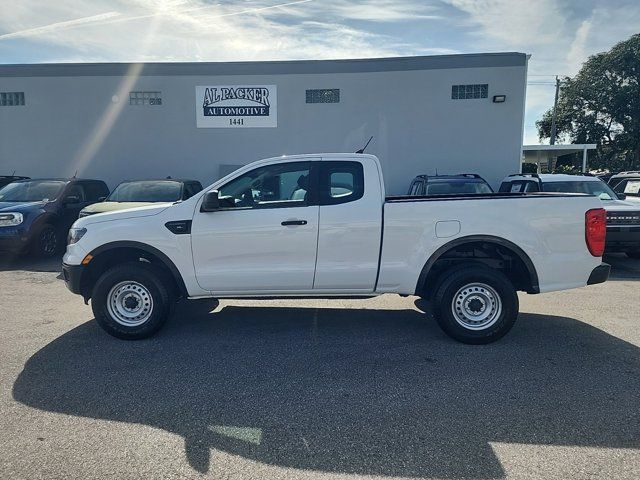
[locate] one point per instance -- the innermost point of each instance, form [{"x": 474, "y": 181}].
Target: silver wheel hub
[
  {"x": 130, "y": 303},
  {"x": 476, "y": 306}
]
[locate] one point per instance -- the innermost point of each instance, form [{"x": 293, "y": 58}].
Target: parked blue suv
[{"x": 35, "y": 215}]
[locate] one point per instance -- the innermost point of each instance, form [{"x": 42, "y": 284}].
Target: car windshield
[
  {"x": 456, "y": 186},
  {"x": 146, "y": 191},
  {"x": 31, "y": 191},
  {"x": 597, "y": 188}
]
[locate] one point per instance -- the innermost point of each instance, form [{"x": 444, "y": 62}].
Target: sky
[{"x": 559, "y": 34}]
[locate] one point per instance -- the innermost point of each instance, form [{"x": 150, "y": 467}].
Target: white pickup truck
[{"x": 320, "y": 226}]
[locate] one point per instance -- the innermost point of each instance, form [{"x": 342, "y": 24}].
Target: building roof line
[{"x": 359, "y": 65}]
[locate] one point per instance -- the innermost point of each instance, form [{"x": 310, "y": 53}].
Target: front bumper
[
  {"x": 13, "y": 239},
  {"x": 622, "y": 239},
  {"x": 72, "y": 275},
  {"x": 599, "y": 274}
]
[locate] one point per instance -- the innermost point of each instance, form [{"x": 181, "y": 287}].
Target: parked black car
[
  {"x": 35, "y": 215},
  {"x": 7, "y": 179},
  {"x": 464, "y": 183}
]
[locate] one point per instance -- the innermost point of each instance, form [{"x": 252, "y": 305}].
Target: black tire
[
  {"x": 634, "y": 254},
  {"x": 46, "y": 243},
  {"x": 156, "y": 292},
  {"x": 450, "y": 294}
]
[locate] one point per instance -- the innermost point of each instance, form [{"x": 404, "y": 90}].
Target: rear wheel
[
  {"x": 475, "y": 305},
  {"x": 132, "y": 301}
]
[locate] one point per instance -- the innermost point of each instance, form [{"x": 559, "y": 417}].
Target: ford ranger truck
[{"x": 321, "y": 226}]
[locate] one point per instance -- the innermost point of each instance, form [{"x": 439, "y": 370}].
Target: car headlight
[
  {"x": 10, "y": 219},
  {"x": 75, "y": 234}
]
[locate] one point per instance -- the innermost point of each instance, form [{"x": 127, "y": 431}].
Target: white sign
[{"x": 236, "y": 106}]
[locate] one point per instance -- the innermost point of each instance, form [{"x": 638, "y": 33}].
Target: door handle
[{"x": 293, "y": 222}]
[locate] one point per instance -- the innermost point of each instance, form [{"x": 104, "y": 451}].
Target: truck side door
[
  {"x": 350, "y": 199},
  {"x": 264, "y": 237}
]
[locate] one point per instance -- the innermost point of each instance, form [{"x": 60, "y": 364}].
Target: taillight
[{"x": 595, "y": 223}]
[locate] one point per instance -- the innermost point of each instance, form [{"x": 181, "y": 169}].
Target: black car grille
[{"x": 623, "y": 218}]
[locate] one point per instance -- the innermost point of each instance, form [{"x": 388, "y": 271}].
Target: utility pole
[
  {"x": 552, "y": 140},
  {"x": 555, "y": 108}
]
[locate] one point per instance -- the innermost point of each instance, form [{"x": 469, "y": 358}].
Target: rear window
[
  {"x": 340, "y": 182},
  {"x": 147, "y": 191},
  {"x": 597, "y": 188},
  {"x": 457, "y": 187}
]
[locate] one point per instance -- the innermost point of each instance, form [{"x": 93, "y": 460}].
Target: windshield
[
  {"x": 597, "y": 188},
  {"x": 31, "y": 191},
  {"x": 146, "y": 191},
  {"x": 443, "y": 188}
]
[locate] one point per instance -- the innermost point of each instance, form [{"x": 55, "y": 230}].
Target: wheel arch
[
  {"x": 44, "y": 218},
  {"x": 533, "y": 285},
  {"x": 113, "y": 253}
]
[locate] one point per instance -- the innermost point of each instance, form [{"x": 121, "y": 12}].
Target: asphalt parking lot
[{"x": 318, "y": 389}]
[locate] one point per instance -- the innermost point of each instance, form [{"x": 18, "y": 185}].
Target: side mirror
[
  {"x": 210, "y": 202},
  {"x": 69, "y": 199},
  {"x": 621, "y": 196}
]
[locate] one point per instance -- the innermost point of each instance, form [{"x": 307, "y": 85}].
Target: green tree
[{"x": 601, "y": 105}]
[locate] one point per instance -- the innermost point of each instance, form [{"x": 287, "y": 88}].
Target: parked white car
[
  {"x": 320, "y": 225},
  {"x": 623, "y": 217},
  {"x": 627, "y": 184}
]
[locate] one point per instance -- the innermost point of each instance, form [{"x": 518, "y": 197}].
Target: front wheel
[
  {"x": 131, "y": 301},
  {"x": 475, "y": 305},
  {"x": 46, "y": 242}
]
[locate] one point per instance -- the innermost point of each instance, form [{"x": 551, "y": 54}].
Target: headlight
[
  {"x": 75, "y": 234},
  {"x": 10, "y": 219}
]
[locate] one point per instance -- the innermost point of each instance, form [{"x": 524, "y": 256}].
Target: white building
[{"x": 453, "y": 113}]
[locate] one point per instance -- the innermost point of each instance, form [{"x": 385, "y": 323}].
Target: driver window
[
  {"x": 76, "y": 190},
  {"x": 272, "y": 186}
]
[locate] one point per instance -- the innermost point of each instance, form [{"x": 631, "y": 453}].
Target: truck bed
[{"x": 550, "y": 230}]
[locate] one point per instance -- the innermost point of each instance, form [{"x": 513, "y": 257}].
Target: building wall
[{"x": 76, "y": 120}]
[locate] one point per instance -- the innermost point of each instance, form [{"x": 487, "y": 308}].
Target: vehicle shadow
[
  {"x": 29, "y": 263},
  {"x": 350, "y": 391},
  {"x": 622, "y": 267}
]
